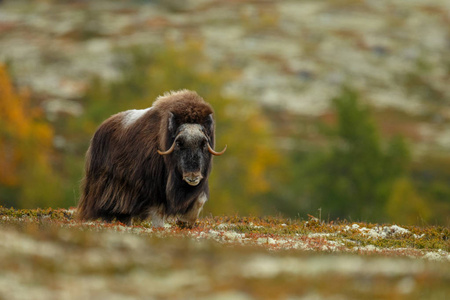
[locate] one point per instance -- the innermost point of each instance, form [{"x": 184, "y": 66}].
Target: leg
[
  {"x": 157, "y": 218},
  {"x": 111, "y": 217},
  {"x": 124, "y": 218},
  {"x": 191, "y": 216}
]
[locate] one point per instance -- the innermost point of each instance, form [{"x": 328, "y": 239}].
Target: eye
[{"x": 179, "y": 143}]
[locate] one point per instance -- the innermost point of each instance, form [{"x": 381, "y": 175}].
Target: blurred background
[{"x": 336, "y": 108}]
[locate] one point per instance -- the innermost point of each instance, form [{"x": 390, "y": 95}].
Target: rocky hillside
[
  {"x": 291, "y": 55},
  {"x": 46, "y": 254}
]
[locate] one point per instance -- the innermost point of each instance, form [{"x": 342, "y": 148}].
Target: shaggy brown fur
[{"x": 126, "y": 177}]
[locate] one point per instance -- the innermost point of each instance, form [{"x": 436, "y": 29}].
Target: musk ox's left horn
[
  {"x": 213, "y": 152},
  {"x": 168, "y": 151}
]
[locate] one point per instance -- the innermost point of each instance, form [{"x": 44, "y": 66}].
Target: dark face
[
  {"x": 191, "y": 153},
  {"x": 191, "y": 149}
]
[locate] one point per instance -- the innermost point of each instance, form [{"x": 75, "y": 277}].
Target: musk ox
[{"x": 153, "y": 162}]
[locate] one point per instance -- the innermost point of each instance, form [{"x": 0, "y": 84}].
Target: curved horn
[
  {"x": 211, "y": 150},
  {"x": 168, "y": 151}
]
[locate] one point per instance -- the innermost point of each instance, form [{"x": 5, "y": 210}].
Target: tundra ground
[{"x": 47, "y": 254}]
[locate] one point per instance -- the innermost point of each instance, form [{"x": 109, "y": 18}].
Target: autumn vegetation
[{"x": 28, "y": 177}]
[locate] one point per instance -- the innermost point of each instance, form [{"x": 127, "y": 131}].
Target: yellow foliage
[
  {"x": 12, "y": 127},
  {"x": 25, "y": 143},
  {"x": 243, "y": 175},
  {"x": 405, "y": 205}
]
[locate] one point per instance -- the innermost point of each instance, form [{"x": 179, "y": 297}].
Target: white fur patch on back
[{"x": 132, "y": 115}]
